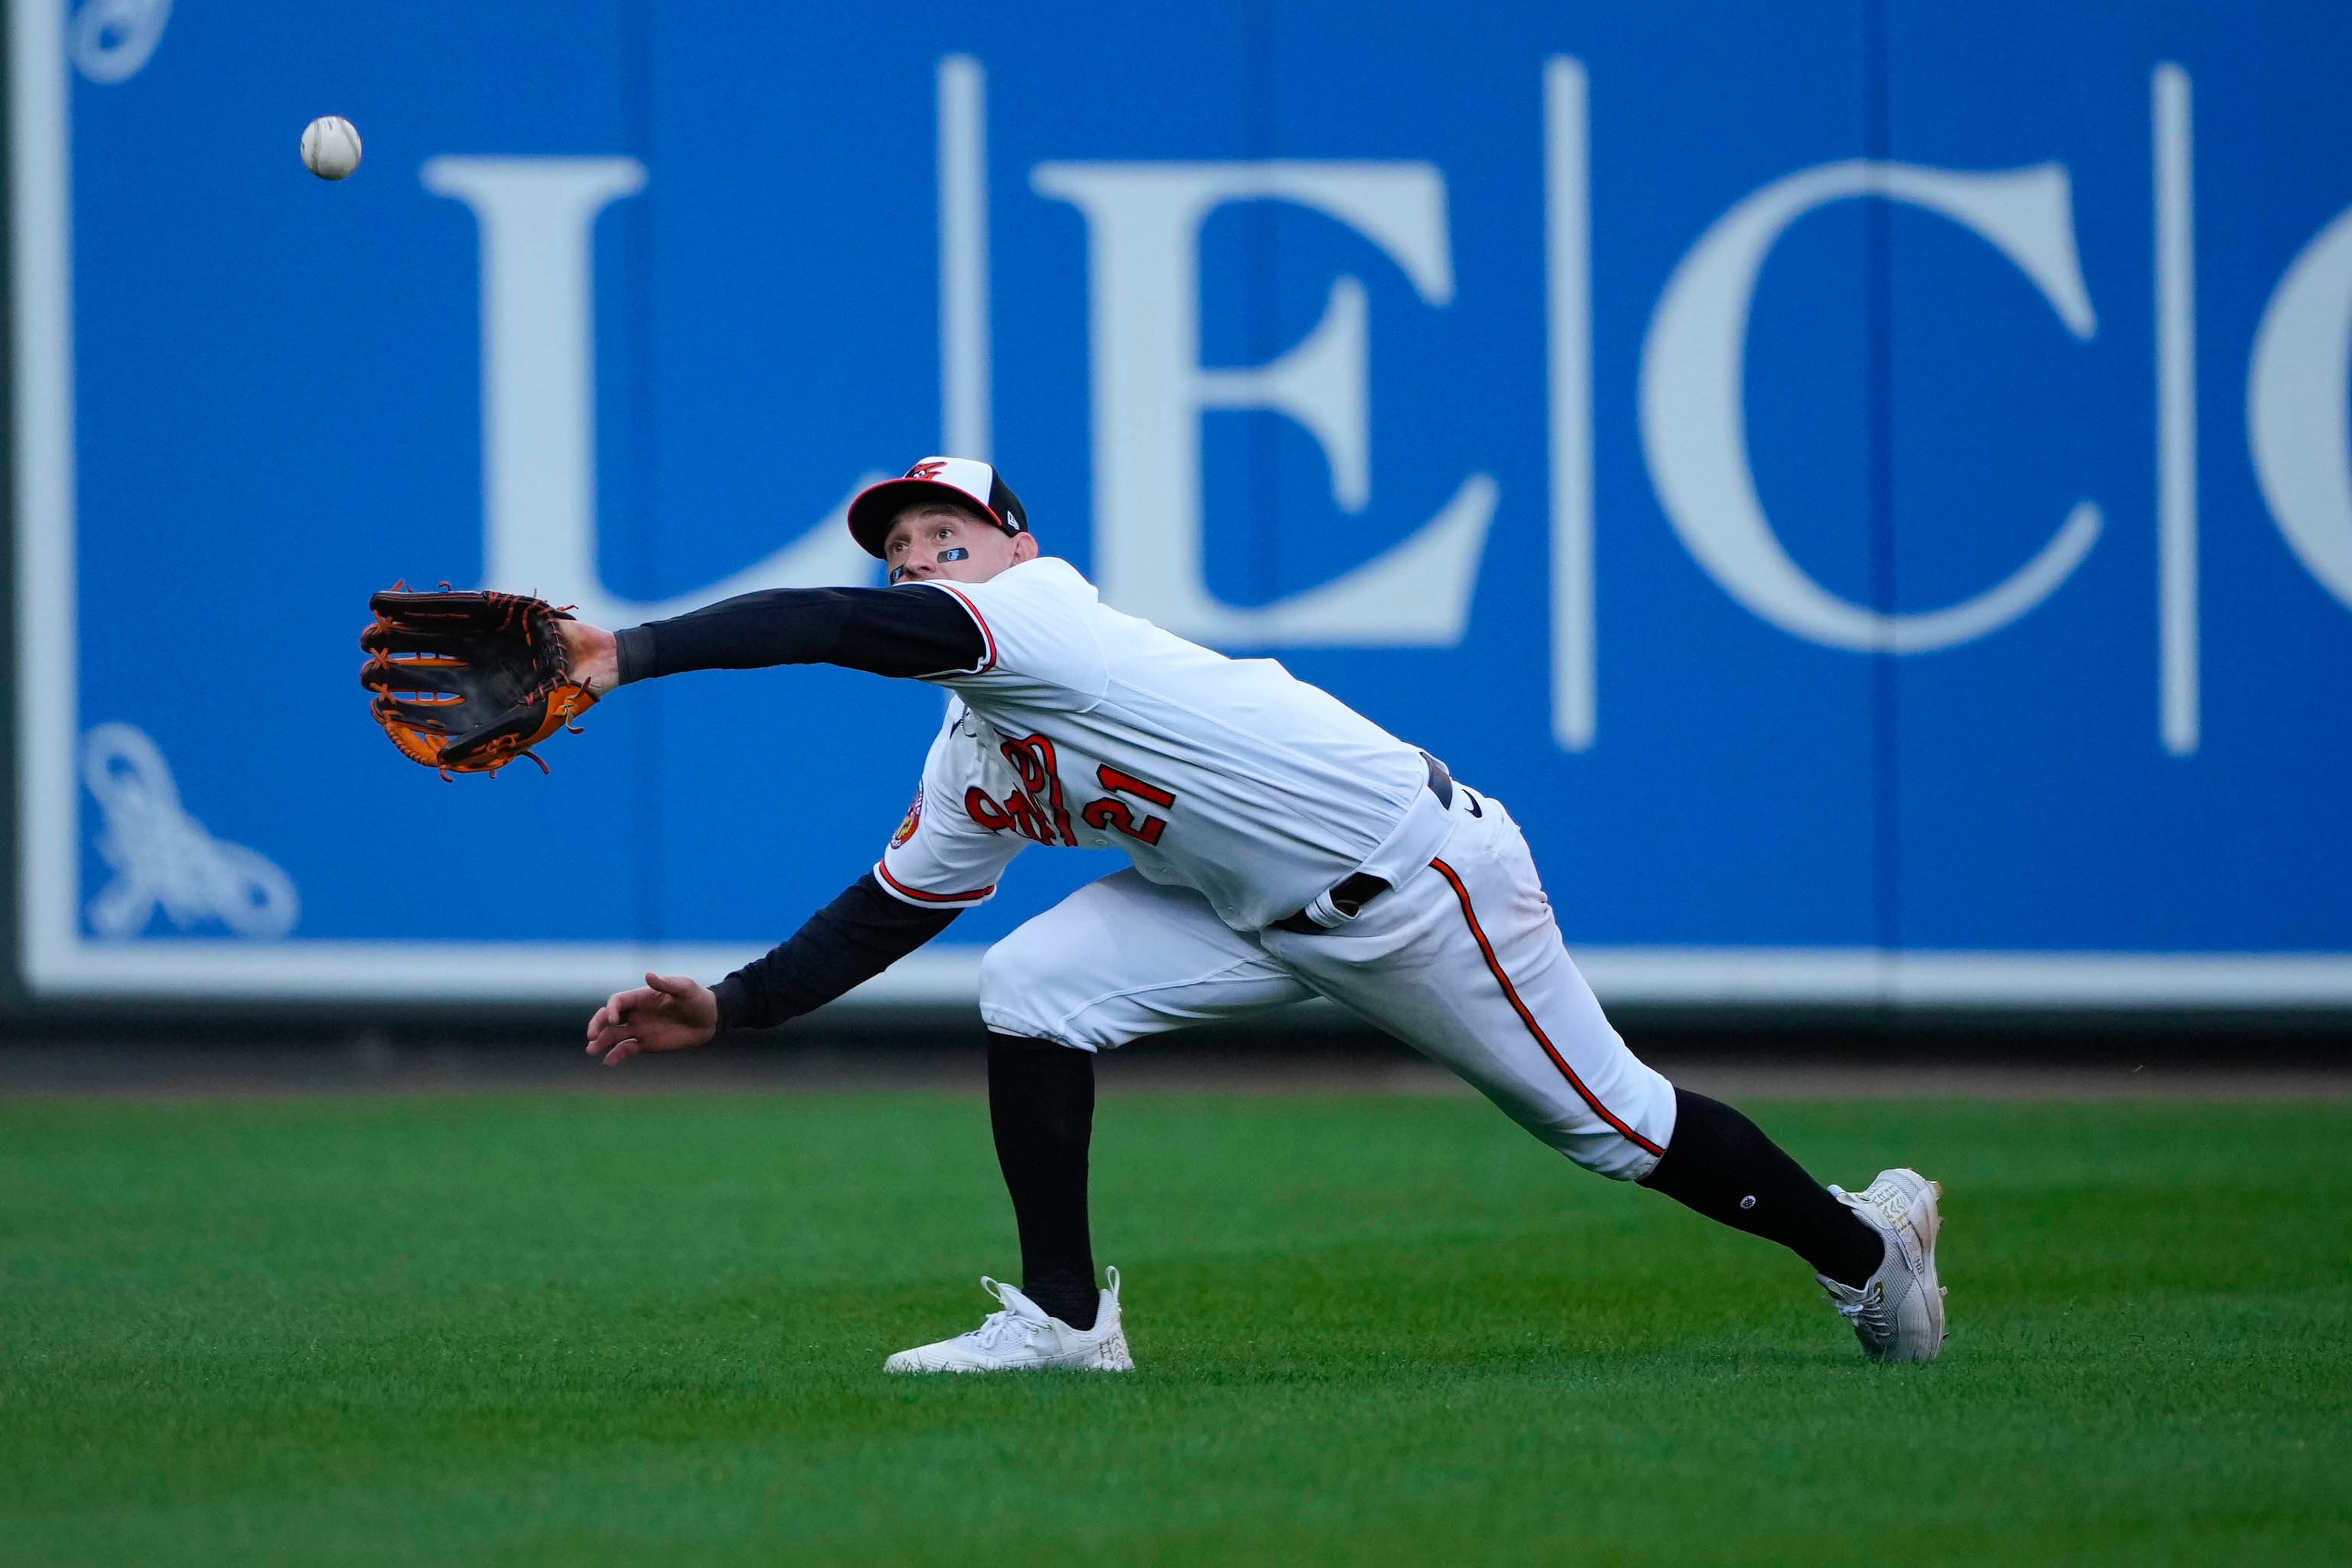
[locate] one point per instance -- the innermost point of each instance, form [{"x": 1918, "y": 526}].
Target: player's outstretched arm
[
  {"x": 668, "y": 1013},
  {"x": 843, "y": 945},
  {"x": 905, "y": 631},
  {"x": 850, "y": 941}
]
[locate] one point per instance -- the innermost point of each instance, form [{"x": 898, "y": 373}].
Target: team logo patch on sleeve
[{"x": 914, "y": 820}]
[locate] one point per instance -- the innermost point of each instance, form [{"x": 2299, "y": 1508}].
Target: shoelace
[
  {"x": 999, "y": 1327},
  {"x": 1870, "y": 1312}
]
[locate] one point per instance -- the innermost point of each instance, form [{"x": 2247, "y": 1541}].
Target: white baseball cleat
[
  {"x": 1022, "y": 1338},
  {"x": 1899, "y": 1313}
]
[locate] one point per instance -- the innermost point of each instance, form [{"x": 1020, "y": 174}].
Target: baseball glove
[{"x": 469, "y": 682}]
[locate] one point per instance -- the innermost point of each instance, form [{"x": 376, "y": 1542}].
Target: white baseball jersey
[
  {"x": 1243, "y": 795},
  {"x": 1085, "y": 727}
]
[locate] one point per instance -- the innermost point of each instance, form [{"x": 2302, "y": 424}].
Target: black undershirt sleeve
[
  {"x": 850, "y": 941},
  {"x": 905, "y": 631},
  {"x": 908, "y": 630}
]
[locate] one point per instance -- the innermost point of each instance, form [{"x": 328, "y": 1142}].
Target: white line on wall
[
  {"x": 1568, "y": 260},
  {"x": 963, "y": 258},
  {"x": 2176, "y": 406}
]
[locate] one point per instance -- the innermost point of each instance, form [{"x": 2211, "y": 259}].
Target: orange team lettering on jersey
[{"x": 1085, "y": 728}]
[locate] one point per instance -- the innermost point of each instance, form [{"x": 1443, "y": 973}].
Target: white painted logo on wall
[
  {"x": 2297, "y": 420},
  {"x": 1694, "y": 421},
  {"x": 112, "y": 40},
  {"x": 163, "y": 858},
  {"x": 537, "y": 218},
  {"x": 1143, "y": 242}
]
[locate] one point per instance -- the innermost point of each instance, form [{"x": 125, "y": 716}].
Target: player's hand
[
  {"x": 668, "y": 1013},
  {"x": 596, "y": 658}
]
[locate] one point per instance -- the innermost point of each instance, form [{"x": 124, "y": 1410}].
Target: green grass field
[{"x": 576, "y": 1329}]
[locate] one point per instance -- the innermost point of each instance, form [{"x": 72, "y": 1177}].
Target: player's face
[{"x": 939, "y": 542}]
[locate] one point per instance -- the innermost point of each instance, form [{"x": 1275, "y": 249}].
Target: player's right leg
[
  {"x": 1465, "y": 963},
  {"x": 1874, "y": 1252},
  {"x": 1118, "y": 960}
]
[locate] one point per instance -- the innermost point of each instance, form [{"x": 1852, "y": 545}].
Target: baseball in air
[{"x": 330, "y": 147}]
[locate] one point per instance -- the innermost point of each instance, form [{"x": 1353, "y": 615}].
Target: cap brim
[{"x": 878, "y": 506}]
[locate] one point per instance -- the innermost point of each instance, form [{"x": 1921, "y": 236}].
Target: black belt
[{"x": 1353, "y": 893}]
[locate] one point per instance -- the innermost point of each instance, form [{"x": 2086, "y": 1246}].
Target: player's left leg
[
  {"x": 1465, "y": 963},
  {"x": 1118, "y": 960},
  {"x": 1041, "y": 1114}
]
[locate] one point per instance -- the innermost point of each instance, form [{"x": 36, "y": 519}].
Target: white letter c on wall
[
  {"x": 1693, "y": 420},
  {"x": 2296, "y": 415}
]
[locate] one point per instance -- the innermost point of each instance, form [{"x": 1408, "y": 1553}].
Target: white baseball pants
[{"x": 1463, "y": 961}]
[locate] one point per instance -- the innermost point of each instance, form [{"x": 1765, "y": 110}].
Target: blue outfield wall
[{"x": 1868, "y": 484}]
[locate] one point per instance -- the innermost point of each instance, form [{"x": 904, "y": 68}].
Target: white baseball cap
[{"x": 960, "y": 481}]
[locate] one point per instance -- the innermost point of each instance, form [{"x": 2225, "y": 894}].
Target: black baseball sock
[
  {"x": 1041, "y": 1106},
  {"x": 1723, "y": 1166}
]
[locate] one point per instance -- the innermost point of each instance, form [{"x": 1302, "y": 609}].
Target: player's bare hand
[
  {"x": 668, "y": 1013},
  {"x": 595, "y": 656}
]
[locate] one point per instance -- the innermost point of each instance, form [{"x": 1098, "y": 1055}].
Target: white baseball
[{"x": 330, "y": 147}]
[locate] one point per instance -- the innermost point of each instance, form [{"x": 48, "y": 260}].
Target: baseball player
[{"x": 1283, "y": 847}]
